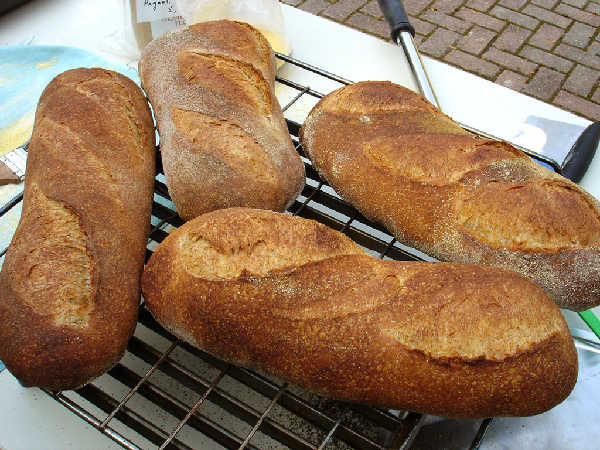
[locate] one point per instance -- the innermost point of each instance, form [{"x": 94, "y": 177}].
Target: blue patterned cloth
[{"x": 25, "y": 70}]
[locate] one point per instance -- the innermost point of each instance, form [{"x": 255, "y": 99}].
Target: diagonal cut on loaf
[
  {"x": 70, "y": 282},
  {"x": 453, "y": 195},
  {"x": 223, "y": 139},
  {"x": 300, "y": 301}
]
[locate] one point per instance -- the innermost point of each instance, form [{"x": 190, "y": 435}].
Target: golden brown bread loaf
[
  {"x": 453, "y": 195},
  {"x": 300, "y": 301},
  {"x": 223, "y": 139},
  {"x": 70, "y": 283}
]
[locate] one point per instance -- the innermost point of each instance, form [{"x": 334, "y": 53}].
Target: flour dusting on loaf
[
  {"x": 453, "y": 195},
  {"x": 224, "y": 141},
  {"x": 46, "y": 287},
  {"x": 262, "y": 246},
  {"x": 70, "y": 283},
  {"x": 302, "y": 302}
]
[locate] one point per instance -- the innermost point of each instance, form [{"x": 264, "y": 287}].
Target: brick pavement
[{"x": 547, "y": 49}]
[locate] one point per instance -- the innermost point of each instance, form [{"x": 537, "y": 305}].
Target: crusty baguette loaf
[
  {"x": 453, "y": 195},
  {"x": 70, "y": 283},
  {"x": 223, "y": 139},
  {"x": 300, "y": 301}
]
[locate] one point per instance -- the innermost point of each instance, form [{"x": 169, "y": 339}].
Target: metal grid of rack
[{"x": 199, "y": 401}]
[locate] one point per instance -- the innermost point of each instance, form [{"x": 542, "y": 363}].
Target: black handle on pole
[
  {"x": 394, "y": 12},
  {"x": 581, "y": 154}
]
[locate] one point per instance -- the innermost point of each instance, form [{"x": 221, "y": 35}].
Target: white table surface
[{"x": 29, "y": 418}]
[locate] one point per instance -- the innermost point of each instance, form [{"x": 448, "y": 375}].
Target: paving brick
[
  {"x": 343, "y": 8},
  {"x": 576, "y": 3},
  {"x": 546, "y": 36},
  {"x": 579, "y": 35},
  {"x": 594, "y": 8},
  {"x": 512, "y": 38},
  {"x": 510, "y": 61},
  {"x": 419, "y": 39},
  {"x": 372, "y": 8},
  {"x": 576, "y": 54},
  {"x": 476, "y": 40},
  {"x": 369, "y": 24},
  {"x": 314, "y": 6},
  {"x": 511, "y": 80},
  {"x": 547, "y": 16},
  {"x": 472, "y": 63},
  {"x": 548, "y": 4},
  {"x": 446, "y": 6},
  {"x": 515, "y": 17},
  {"x": 596, "y": 96},
  {"x": 594, "y": 48},
  {"x": 414, "y": 7},
  {"x": 446, "y": 21},
  {"x": 421, "y": 26},
  {"x": 481, "y": 5},
  {"x": 581, "y": 80},
  {"x": 546, "y": 59},
  {"x": 439, "y": 42},
  {"x": 513, "y": 4},
  {"x": 484, "y": 20},
  {"x": 578, "y": 105},
  {"x": 544, "y": 83},
  {"x": 578, "y": 14}
]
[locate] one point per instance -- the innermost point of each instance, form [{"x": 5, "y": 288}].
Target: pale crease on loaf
[
  {"x": 223, "y": 139},
  {"x": 302, "y": 302},
  {"x": 453, "y": 195},
  {"x": 70, "y": 283}
]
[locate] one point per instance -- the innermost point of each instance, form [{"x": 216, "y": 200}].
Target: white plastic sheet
[{"x": 265, "y": 15}]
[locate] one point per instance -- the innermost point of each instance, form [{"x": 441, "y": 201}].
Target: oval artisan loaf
[
  {"x": 453, "y": 195},
  {"x": 223, "y": 139},
  {"x": 70, "y": 283},
  {"x": 300, "y": 301}
]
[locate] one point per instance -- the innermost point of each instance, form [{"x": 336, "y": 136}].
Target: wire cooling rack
[
  {"x": 198, "y": 401},
  {"x": 169, "y": 394}
]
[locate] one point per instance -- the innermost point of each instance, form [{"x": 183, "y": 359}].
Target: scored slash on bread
[
  {"x": 453, "y": 195},
  {"x": 302, "y": 302},
  {"x": 223, "y": 139},
  {"x": 70, "y": 283}
]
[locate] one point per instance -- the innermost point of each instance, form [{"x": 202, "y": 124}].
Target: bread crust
[
  {"x": 223, "y": 139},
  {"x": 70, "y": 283},
  {"x": 442, "y": 338},
  {"x": 453, "y": 195}
]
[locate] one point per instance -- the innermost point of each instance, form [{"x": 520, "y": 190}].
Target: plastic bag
[
  {"x": 141, "y": 21},
  {"x": 265, "y": 15},
  {"x": 151, "y": 19},
  {"x": 144, "y": 20}
]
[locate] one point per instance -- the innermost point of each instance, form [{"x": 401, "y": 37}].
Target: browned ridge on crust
[
  {"x": 454, "y": 195},
  {"x": 70, "y": 283},
  {"x": 302, "y": 302},
  {"x": 223, "y": 139}
]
